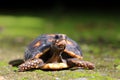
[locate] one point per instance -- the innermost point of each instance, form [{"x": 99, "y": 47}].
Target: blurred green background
[
  {"x": 94, "y": 27},
  {"x": 91, "y": 27}
]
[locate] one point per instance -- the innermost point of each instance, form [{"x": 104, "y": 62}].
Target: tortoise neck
[{"x": 56, "y": 57}]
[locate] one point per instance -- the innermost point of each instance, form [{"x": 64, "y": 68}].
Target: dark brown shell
[{"x": 42, "y": 43}]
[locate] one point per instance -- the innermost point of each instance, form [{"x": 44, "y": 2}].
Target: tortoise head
[{"x": 59, "y": 42}]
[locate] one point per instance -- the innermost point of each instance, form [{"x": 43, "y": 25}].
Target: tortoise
[{"x": 53, "y": 52}]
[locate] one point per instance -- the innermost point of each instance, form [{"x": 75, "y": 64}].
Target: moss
[{"x": 3, "y": 63}]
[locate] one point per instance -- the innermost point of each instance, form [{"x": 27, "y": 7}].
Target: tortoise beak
[
  {"x": 59, "y": 45},
  {"x": 62, "y": 46}
]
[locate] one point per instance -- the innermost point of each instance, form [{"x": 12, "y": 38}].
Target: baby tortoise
[{"x": 53, "y": 52}]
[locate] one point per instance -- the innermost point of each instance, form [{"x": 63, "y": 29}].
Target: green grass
[
  {"x": 82, "y": 25},
  {"x": 104, "y": 61},
  {"x": 98, "y": 36}
]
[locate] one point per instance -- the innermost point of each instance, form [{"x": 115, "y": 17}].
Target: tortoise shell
[
  {"x": 42, "y": 44},
  {"x": 54, "y": 52}
]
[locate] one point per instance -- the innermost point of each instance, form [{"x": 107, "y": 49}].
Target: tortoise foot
[
  {"x": 30, "y": 64},
  {"x": 80, "y": 63}
]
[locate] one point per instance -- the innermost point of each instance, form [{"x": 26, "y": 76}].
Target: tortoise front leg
[
  {"x": 31, "y": 64},
  {"x": 74, "y": 62}
]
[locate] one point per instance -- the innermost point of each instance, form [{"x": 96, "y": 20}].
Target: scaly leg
[
  {"x": 74, "y": 62},
  {"x": 31, "y": 64}
]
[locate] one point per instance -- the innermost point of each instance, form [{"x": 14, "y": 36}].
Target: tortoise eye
[{"x": 56, "y": 37}]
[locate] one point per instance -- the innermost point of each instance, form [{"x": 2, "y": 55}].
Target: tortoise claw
[
  {"x": 30, "y": 64},
  {"x": 80, "y": 63},
  {"x": 86, "y": 65}
]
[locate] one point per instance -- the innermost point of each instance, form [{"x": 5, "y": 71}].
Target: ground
[{"x": 98, "y": 37}]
